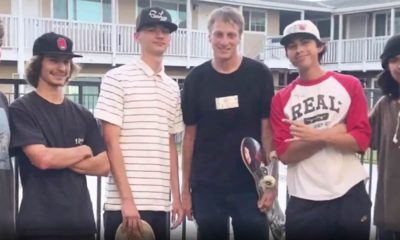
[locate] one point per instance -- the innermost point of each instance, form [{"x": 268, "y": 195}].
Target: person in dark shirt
[
  {"x": 57, "y": 143},
  {"x": 385, "y": 123},
  {"x": 7, "y": 203},
  {"x": 224, "y": 100}
]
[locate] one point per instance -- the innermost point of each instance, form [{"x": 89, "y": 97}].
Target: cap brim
[
  {"x": 171, "y": 26},
  {"x": 286, "y": 39},
  {"x": 72, "y": 55}
]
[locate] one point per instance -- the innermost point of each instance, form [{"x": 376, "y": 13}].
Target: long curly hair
[
  {"x": 388, "y": 85},
  {"x": 34, "y": 68}
]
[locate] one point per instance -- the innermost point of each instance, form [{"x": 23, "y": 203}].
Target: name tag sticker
[{"x": 227, "y": 102}]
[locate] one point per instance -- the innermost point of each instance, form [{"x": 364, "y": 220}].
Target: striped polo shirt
[{"x": 146, "y": 105}]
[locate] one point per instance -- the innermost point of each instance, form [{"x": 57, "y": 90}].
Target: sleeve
[
  {"x": 24, "y": 130},
  {"x": 110, "y": 104},
  {"x": 357, "y": 117},
  {"x": 189, "y": 108},
  {"x": 93, "y": 136},
  {"x": 268, "y": 92},
  {"x": 176, "y": 125},
  {"x": 375, "y": 122},
  {"x": 280, "y": 129}
]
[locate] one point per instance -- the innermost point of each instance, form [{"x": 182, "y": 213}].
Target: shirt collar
[{"x": 149, "y": 72}]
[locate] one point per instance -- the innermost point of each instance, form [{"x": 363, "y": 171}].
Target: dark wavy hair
[
  {"x": 32, "y": 71},
  {"x": 388, "y": 85}
]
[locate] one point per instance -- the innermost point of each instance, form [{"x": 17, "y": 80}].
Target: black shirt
[
  {"x": 220, "y": 128},
  {"x": 54, "y": 201}
]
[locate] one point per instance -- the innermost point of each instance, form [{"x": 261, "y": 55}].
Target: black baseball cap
[
  {"x": 53, "y": 44},
  {"x": 153, "y": 16},
  {"x": 391, "y": 50}
]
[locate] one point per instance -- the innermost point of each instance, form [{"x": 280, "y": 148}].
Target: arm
[
  {"x": 96, "y": 166},
  {"x": 288, "y": 152},
  {"x": 307, "y": 141},
  {"x": 187, "y": 152},
  {"x": 44, "y": 157},
  {"x": 177, "y": 211},
  {"x": 130, "y": 214}
]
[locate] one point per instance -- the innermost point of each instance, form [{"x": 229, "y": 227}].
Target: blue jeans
[{"x": 212, "y": 209}]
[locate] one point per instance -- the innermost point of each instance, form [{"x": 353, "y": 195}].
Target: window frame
[{"x": 249, "y": 25}]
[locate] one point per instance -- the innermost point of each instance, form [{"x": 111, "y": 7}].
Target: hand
[
  {"x": 267, "y": 199},
  {"x": 176, "y": 214},
  {"x": 300, "y": 131},
  {"x": 187, "y": 204},
  {"x": 131, "y": 218}
]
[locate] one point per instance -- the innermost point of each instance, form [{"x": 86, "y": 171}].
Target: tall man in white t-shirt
[
  {"x": 139, "y": 106},
  {"x": 319, "y": 122}
]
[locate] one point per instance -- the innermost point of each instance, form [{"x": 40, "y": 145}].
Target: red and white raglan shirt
[{"x": 322, "y": 103}]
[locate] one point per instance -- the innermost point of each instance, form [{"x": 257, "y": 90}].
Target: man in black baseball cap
[
  {"x": 154, "y": 16},
  {"x": 130, "y": 201},
  {"x": 57, "y": 142}
]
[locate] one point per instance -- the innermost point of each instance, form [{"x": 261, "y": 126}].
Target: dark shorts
[
  {"x": 344, "y": 218},
  {"x": 158, "y": 220},
  {"x": 212, "y": 211}
]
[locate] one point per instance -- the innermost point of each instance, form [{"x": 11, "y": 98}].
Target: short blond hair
[{"x": 226, "y": 15}]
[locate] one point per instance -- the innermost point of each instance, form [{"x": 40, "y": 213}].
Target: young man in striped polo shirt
[{"x": 139, "y": 106}]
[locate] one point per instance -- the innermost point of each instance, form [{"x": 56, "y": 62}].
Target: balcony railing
[
  {"x": 98, "y": 37},
  {"x": 357, "y": 51}
]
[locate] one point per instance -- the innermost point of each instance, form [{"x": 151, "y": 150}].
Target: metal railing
[
  {"x": 98, "y": 37},
  {"x": 360, "y": 50}
]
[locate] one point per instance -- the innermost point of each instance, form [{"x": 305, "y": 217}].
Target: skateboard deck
[
  {"x": 262, "y": 174},
  {"x": 147, "y": 233}
]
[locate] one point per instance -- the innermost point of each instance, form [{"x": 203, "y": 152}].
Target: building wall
[
  {"x": 204, "y": 10},
  {"x": 5, "y": 6},
  {"x": 126, "y": 11},
  {"x": 7, "y": 69},
  {"x": 273, "y": 23},
  {"x": 253, "y": 44},
  {"x": 46, "y": 8}
]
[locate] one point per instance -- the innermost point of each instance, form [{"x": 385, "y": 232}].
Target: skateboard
[
  {"x": 147, "y": 233},
  {"x": 252, "y": 157}
]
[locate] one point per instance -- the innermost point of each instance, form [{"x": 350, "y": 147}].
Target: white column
[
  {"x": 188, "y": 32},
  {"x": 242, "y": 37},
  {"x": 21, "y": 44},
  {"x": 340, "y": 43},
  {"x": 113, "y": 32},
  {"x": 302, "y": 15},
  {"x": 392, "y": 20},
  {"x": 332, "y": 33}
]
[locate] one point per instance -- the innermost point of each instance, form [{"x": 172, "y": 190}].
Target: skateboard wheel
[{"x": 268, "y": 181}]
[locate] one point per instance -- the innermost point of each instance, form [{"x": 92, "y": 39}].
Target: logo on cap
[
  {"x": 302, "y": 27},
  {"x": 158, "y": 15},
  {"x": 62, "y": 44}
]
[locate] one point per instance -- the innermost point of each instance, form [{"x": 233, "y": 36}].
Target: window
[
  {"x": 382, "y": 24},
  {"x": 177, "y": 10},
  {"x": 254, "y": 21},
  {"x": 83, "y": 10},
  {"x": 324, "y": 27}
]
